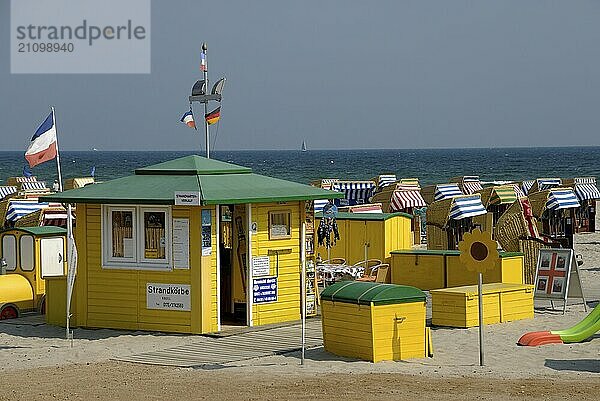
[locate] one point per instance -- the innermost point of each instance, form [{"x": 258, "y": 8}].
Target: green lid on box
[{"x": 365, "y": 293}]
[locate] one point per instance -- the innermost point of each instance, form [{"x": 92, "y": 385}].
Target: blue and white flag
[
  {"x": 43, "y": 143},
  {"x": 188, "y": 119}
]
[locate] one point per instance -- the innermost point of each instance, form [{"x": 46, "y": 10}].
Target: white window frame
[
  {"x": 107, "y": 232},
  {"x": 138, "y": 262},
  {"x": 32, "y": 249},
  {"x": 168, "y": 235},
  {"x": 10, "y": 268}
]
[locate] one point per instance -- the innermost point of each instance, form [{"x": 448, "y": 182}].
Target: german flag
[{"x": 213, "y": 116}]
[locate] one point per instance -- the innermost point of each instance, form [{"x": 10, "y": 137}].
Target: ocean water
[{"x": 429, "y": 165}]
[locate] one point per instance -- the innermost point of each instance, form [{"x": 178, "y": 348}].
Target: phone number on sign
[{"x": 45, "y": 47}]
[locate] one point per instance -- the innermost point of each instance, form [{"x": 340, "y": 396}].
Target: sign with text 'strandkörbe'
[{"x": 168, "y": 296}]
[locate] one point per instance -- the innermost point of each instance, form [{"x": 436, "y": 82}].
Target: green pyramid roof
[
  {"x": 216, "y": 182},
  {"x": 192, "y": 165}
]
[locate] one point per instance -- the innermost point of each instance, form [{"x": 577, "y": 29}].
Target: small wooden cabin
[
  {"x": 188, "y": 246},
  {"x": 367, "y": 236}
]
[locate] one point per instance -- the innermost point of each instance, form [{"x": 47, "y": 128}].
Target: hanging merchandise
[{"x": 327, "y": 226}]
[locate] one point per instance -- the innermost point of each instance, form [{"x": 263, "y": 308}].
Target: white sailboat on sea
[{"x": 304, "y": 146}]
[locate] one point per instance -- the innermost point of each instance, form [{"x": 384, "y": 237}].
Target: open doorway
[{"x": 233, "y": 262}]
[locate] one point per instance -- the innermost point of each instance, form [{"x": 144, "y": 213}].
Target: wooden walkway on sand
[{"x": 221, "y": 350}]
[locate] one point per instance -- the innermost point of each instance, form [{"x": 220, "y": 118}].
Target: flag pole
[
  {"x": 71, "y": 249},
  {"x": 60, "y": 185},
  {"x": 204, "y": 48}
]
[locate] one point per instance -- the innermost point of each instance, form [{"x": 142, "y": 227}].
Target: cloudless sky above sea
[{"x": 338, "y": 74}]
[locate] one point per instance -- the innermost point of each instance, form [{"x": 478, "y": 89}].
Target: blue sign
[{"x": 264, "y": 290}]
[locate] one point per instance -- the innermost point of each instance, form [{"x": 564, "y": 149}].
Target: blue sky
[{"x": 338, "y": 74}]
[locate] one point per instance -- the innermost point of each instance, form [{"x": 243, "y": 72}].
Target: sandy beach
[{"x": 37, "y": 363}]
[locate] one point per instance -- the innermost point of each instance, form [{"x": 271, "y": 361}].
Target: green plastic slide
[{"x": 589, "y": 326}]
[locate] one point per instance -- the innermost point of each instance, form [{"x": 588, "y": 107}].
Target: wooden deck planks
[{"x": 243, "y": 346}]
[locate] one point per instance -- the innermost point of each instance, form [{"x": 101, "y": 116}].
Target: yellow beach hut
[
  {"x": 188, "y": 246},
  {"x": 367, "y": 236}
]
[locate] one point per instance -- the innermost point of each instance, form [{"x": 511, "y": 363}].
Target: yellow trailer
[
  {"x": 30, "y": 255},
  {"x": 374, "y": 322}
]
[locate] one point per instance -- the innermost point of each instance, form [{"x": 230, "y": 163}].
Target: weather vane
[{"x": 200, "y": 95}]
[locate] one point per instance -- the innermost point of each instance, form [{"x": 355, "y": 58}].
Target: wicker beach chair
[
  {"x": 468, "y": 184},
  {"x": 377, "y": 274},
  {"x": 517, "y": 231},
  {"x": 364, "y": 267}
]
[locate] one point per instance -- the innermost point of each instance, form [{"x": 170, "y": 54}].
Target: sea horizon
[{"x": 430, "y": 165}]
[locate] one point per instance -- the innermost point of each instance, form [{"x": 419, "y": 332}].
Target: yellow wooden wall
[
  {"x": 383, "y": 237},
  {"x": 398, "y": 234},
  {"x": 374, "y": 333},
  {"x": 116, "y": 298},
  {"x": 399, "y": 331},
  {"x": 287, "y": 306},
  {"x": 437, "y": 270}
]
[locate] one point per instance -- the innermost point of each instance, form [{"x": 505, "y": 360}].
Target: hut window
[
  {"x": 26, "y": 252},
  {"x": 279, "y": 225},
  {"x": 122, "y": 233},
  {"x": 136, "y": 237},
  {"x": 154, "y": 242},
  {"x": 9, "y": 251}
]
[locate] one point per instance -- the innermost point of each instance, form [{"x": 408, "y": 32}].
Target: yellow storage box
[
  {"x": 434, "y": 269},
  {"x": 424, "y": 269},
  {"x": 374, "y": 322},
  {"x": 502, "y": 302}
]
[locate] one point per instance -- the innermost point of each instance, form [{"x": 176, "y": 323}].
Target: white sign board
[
  {"x": 168, "y": 296},
  {"x": 557, "y": 276},
  {"x": 186, "y": 198},
  {"x": 181, "y": 243},
  {"x": 264, "y": 290},
  {"x": 261, "y": 266}
]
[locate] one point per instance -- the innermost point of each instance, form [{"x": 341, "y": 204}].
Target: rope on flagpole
[{"x": 60, "y": 182}]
